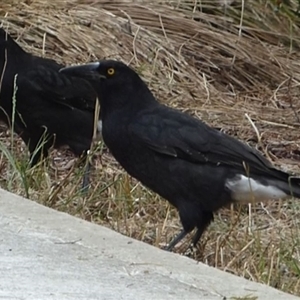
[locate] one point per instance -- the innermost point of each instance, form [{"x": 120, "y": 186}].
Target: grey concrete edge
[{"x": 61, "y": 226}]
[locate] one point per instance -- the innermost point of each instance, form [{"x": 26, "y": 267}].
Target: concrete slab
[{"x": 45, "y": 254}]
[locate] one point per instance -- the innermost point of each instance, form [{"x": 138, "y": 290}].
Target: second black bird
[
  {"x": 195, "y": 167},
  {"x": 51, "y": 108}
]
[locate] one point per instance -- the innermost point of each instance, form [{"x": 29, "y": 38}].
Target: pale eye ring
[{"x": 111, "y": 71}]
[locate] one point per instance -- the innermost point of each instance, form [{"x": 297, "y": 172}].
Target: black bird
[
  {"x": 195, "y": 167},
  {"x": 51, "y": 108}
]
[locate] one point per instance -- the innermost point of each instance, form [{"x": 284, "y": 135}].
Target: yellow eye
[{"x": 111, "y": 71}]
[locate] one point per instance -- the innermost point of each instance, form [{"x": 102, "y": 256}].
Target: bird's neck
[{"x": 131, "y": 101}]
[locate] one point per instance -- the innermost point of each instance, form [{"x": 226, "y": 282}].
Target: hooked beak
[{"x": 88, "y": 71}]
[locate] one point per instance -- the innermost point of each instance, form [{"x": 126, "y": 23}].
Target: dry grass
[{"x": 234, "y": 66}]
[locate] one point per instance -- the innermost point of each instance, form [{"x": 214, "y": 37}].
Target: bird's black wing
[
  {"x": 50, "y": 85},
  {"x": 172, "y": 133}
]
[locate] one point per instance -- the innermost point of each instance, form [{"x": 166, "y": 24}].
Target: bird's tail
[
  {"x": 291, "y": 187},
  {"x": 256, "y": 188}
]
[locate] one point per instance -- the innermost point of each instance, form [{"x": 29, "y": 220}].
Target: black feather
[
  {"x": 177, "y": 156},
  {"x": 50, "y": 107}
]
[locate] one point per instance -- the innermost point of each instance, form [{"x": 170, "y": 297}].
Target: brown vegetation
[{"x": 235, "y": 66}]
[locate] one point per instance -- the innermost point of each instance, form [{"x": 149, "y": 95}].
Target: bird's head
[{"x": 117, "y": 84}]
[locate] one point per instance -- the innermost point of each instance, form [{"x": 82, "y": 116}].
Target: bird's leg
[
  {"x": 207, "y": 217},
  {"x": 34, "y": 159},
  {"x": 176, "y": 240},
  {"x": 86, "y": 174},
  {"x": 37, "y": 153},
  {"x": 86, "y": 178},
  {"x": 197, "y": 237}
]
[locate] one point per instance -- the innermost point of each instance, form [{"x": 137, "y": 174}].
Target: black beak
[{"x": 88, "y": 71}]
